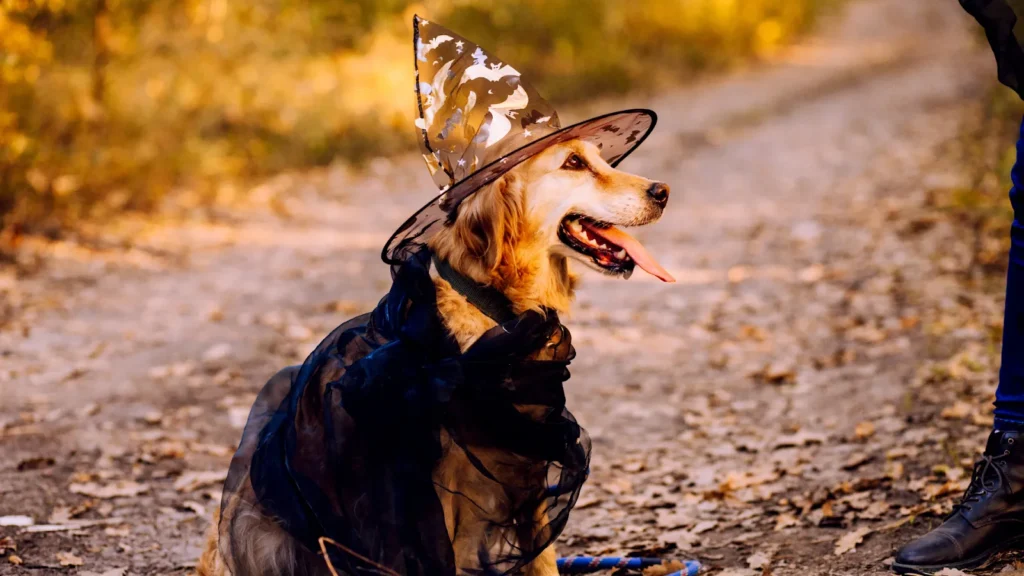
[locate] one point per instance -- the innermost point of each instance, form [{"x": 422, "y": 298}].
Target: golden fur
[{"x": 505, "y": 236}]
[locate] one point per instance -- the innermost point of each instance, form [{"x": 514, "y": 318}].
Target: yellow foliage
[{"x": 108, "y": 104}]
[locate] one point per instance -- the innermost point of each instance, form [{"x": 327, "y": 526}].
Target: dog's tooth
[
  {"x": 621, "y": 254},
  {"x": 575, "y": 226}
]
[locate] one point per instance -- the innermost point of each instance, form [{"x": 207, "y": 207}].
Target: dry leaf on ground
[
  {"x": 704, "y": 526},
  {"x": 737, "y": 572},
  {"x": 801, "y": 438},
  {"x": 864, "y": 430},
  {"x": 669, "y": 567},
  {"x": 111, "y": 572},
  {"x": 7, "y": 543},
  {"x": 69, "y": 559},
  {"x": 682, "y": 539},
  {"x": 618, "y": 487},
  {"x": 190, "y": 481},
  {"x": 123, "y": 488},
  {"x": 785, "y": 521},
  {"x": 759, "y": 560},
  {"x": 850, "y": 540},
  {"x": 857, "y": 460},
  {"x": 958, "y": 410}
]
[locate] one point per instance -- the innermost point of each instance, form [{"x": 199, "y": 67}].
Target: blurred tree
[{"x": 107, "y": 105}]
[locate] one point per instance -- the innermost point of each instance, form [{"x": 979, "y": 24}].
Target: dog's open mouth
[{"x": 608, "y": 247}]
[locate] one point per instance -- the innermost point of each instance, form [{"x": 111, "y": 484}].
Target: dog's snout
[{"x": 658, "y": 192}]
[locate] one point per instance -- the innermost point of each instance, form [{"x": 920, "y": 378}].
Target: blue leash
[{"x": 590, "y": 564}]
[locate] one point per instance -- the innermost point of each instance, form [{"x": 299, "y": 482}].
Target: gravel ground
[{"x": 802, "y": 401}]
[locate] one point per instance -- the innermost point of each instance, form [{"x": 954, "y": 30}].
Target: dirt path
[{"x": 752, "y": 415}]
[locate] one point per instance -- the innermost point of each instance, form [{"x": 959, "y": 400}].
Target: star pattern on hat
[{"x": 471, "y": 102}]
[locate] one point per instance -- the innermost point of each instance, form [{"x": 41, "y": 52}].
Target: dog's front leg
[
  {"x": 539, "y": 530},
  {"x": 543, "y": 565}
]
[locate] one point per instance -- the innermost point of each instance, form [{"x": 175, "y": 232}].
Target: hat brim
[{"x": 616, "y": 134}]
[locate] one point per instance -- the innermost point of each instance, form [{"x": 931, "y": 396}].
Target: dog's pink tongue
[{"x": 637, "y": 252}]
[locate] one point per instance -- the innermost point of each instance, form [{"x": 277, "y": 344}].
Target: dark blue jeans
[{"x": 1010, "y": 393}]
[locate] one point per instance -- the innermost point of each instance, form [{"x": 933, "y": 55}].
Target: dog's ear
[{"x": 490, "y": 221}]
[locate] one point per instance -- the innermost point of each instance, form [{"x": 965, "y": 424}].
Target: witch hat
[{"x": 478, "y": 119}]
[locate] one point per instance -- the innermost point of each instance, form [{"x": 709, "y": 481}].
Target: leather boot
[{"x": 989, "y": 518}]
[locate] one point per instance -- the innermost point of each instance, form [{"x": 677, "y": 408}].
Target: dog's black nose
[{"x": 659, "y": 193}]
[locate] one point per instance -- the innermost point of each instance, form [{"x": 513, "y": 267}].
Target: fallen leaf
[
  {"x": 776, "y": 374},
  {"x": 738, "y": 481},
  {"x": 857, "y": 460},
  {"x": 69, "y": 559},
  {"x": 665, "y": 568},
  {"x": 894, "y": 470},
  {"x": 120, "y": 532},
  {"x": 867, "y": 334},
  {"x": 298, "y": 332},
  {"x": 951, "y": 572},
  {"x": 217, "y": 352},
  {"x": 587, "y": 502},
  {"x": 634, "y": 466},
  {"x": 120, "y": 489},
  {"x": 864, "y": 430},
  {"x": 902, "y": 452},
  {"x": 704, "y": 526},
  {"x": 64, "y": 515},
  {"x": 190, "y": 481},
  {"x": 671, "y": 518},
  {"x": 196, "y": 507},
  {"x": 786, "y": 521},
  {"x": 875, "y": 511},
  {"x": 759, "y": 560},
  {"x": 933, "y": 491},
  {"x": 850, "y": 540},
  {"x": 954, "y": 473},
  {"x": 802, "y": 438},
  {"x": 111, "y": 572},
  {"x": 811, "y": 274},
  {"x": 15, "y": 559},
  {"x": 617, "y": 487},
  {"x": 681, "y": 539},
  {"x": 35, "y": 463},
  {"x": 957, "y": 411},
  {"x": 215, "y": 314},
  {"x": 7, "y": 543}
]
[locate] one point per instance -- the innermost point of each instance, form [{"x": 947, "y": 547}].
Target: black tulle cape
[{"x": 345, "y": 446}]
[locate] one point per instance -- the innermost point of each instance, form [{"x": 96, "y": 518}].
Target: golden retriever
[{"x": 517, "y": 235}]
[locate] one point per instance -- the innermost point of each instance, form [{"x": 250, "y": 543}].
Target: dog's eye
[{"x": 574, "y": 162}]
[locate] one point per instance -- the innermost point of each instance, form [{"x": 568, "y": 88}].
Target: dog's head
[
  {"x": 577, "y": 201},
  {"x": 565, "y": 202}
]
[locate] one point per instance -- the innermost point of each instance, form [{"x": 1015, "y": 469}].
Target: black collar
[{"x": 488, "y": 300}]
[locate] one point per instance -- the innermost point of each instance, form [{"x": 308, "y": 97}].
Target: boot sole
[{"x": 971, "y": 563}]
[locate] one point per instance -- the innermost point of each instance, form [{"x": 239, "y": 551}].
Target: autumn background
[
  {"x": 110, "y": 105},
  {"x": 194, "y": 192}
]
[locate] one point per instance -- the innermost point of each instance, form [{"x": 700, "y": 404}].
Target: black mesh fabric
[{"x": 345, "y": 446}]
